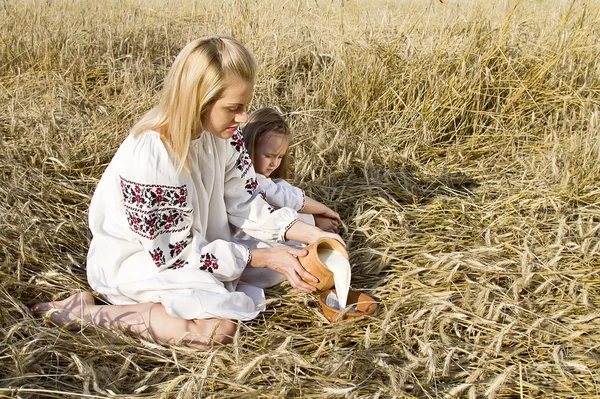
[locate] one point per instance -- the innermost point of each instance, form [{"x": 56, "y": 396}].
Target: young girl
[
  {"x": 267, "y": 137},
  {"x": 162, "y": 252}
]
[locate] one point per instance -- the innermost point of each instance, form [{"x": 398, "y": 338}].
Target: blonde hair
[
  {"x": 260, "y": 122},
  {"x": 194, "y": 82}
]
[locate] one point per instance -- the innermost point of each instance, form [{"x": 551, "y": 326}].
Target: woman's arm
[{"x": 284, "y": 260}]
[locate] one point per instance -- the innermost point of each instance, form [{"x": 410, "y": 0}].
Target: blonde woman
[{"x": 162, "y": 253}]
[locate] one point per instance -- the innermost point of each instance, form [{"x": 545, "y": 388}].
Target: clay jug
[{"x": 314, "y": 266}]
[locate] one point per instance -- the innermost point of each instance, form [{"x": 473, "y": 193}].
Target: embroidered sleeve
[
  {"x": 303, "y": 195},
  {"x": 242, "y": 159},
  {"x": 282, "y": 194},
  {"x": 153, "y": 209}
]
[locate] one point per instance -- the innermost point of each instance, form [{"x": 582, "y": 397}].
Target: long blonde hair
[
  {"x": 260, "y": 122},
  {"x": 194, "y": 82}
]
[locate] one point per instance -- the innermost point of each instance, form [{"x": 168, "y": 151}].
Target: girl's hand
[
  {"x": 308, "y": 234},
  {"x": 284, "y": 260},
  {"x": 331, "y": 214},
  {"x": 326, "y": 224}
]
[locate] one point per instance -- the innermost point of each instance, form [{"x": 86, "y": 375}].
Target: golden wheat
[{"x": 459, "y": 140}]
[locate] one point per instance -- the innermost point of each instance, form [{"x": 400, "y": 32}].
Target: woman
[{"x": 161, "y": 252}]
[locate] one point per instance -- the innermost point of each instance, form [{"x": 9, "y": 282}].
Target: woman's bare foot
[{"x": 73, "y": 312}]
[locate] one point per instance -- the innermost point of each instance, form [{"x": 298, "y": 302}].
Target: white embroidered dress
[{"x": 165, "y": 238}]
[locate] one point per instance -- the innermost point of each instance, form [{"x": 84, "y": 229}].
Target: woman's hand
[{"x": 284, "y": 260}]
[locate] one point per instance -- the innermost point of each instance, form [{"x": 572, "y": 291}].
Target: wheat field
[{"x": 458, "y": 140}]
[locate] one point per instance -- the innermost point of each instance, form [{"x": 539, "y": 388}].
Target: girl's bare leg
[{"x": 149, "y": 320}]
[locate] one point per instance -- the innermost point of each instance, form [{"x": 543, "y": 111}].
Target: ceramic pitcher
[{"x": 314, "y": 266}]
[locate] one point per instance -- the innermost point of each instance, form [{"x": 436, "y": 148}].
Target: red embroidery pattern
[
  {"x": 289, "y": 226},
  {"x": 249, "y": 257},
  {"x": 209, "y": 262},
  {"x": 154, "y": 223},
  {"x": 177, "y": 248},
  {"x": 271, "y": 208},
  {"x": 152, "y": 195},
  {"x": 303, "y": 200},
  {"x": 243, "y": 162},
  {"x": 158, "y": 257},
  {"x": 152, "y": 210},
  {"x": 178, "y": 264},
  {"x": 251, "y": 185}
]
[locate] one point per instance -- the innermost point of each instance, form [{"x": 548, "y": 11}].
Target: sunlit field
[{"x": 458, "y": 140}]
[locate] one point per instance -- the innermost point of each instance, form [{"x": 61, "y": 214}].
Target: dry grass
[{"x": 459, "y": 141}]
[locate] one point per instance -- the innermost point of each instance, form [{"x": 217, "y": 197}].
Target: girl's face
[
  {"x": 269, "y": 152},
  {"x": 223, "y": 117}
]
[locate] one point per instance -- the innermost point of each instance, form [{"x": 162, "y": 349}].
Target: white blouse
[
  {"x": 281, "y": 194},
  {"x": 165, "y": 238}
]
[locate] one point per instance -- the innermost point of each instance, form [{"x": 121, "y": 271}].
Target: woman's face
[
  {"x": 224, "y": 116},
  {"x": 269, "y": 152}
]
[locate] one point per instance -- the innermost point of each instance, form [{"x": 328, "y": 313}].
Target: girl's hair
[
  {"x": 194, "y": 82},
  {"x": 260, "y": 122}
]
